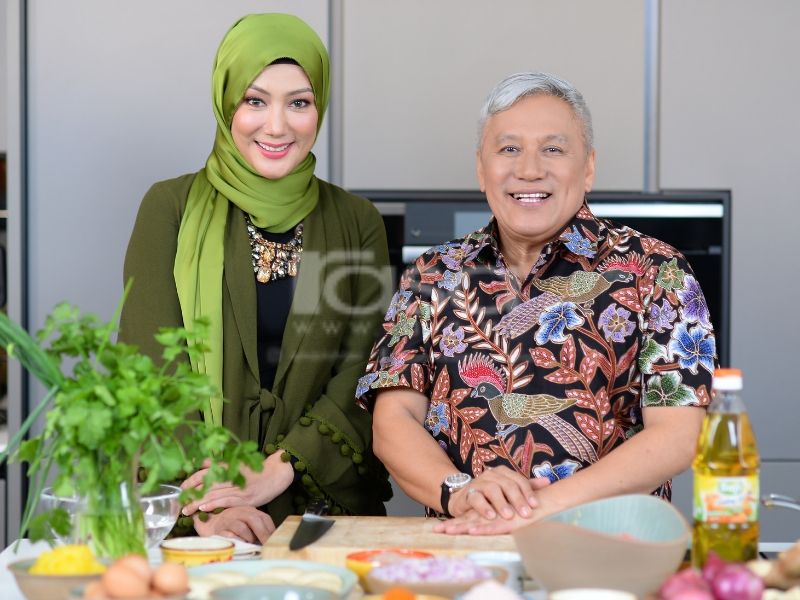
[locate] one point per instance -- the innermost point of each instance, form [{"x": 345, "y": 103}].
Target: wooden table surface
[{"x": 351, "y": 534}]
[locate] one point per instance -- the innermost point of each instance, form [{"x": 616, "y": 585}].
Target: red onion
[
  {"x": 439, "y": 569},
  {"x": 693, "y": 594},
  {"x": 683, "y": 582},
  {"x": 734, "y": 581},
  {"x": 712, "y": 566}
]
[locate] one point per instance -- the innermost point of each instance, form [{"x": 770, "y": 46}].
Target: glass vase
[
  {"x": 111, "y": 522},
  {"x": 160, "y": 508}
]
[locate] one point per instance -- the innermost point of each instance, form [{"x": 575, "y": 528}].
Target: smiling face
[
  {"x": 534, "y": 168},
  {"x": 275, "y": 125}
]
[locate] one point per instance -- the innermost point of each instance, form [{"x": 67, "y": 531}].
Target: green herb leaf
[{"x": 116, "y": 410}]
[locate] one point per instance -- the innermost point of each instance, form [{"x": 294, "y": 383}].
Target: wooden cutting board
[{"x": 351, "y": 534}]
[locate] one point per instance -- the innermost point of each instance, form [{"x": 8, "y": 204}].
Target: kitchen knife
[{"x": 312, "y": 526}]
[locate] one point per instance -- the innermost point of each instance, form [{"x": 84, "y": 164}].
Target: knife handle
[{"x": 317, "y": 506}]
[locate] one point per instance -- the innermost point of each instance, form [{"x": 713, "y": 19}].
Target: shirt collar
[{"x": 581, "y": 236}]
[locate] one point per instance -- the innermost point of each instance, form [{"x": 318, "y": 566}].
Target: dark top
[{"x": 274, "y": 300}]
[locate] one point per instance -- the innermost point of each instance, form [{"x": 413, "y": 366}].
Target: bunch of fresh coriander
[{"x": 113, "y": 413}]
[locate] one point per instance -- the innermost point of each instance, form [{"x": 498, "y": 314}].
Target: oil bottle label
[{"x": 725, "y": 499}]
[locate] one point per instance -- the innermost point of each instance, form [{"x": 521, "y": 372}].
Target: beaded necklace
[{"x": 274, "y": 260}]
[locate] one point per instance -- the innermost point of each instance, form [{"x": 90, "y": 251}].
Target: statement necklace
[{"x": 274, "y": 260}]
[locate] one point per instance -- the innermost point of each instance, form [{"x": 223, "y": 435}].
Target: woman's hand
[
  {"x": 260, "y": 488},
  {"x": 498, "y": 490},
  {"x": 246, "y": 523}
]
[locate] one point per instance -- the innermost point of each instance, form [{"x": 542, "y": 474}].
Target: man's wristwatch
[{"x": 450, "y": 485}]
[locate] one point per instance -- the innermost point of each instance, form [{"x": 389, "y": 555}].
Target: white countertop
[{"x": 8, "y": 585}]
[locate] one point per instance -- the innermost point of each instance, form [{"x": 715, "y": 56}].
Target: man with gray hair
[{"x": 552, "y": 357}]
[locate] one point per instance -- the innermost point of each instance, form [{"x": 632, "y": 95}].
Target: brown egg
[
  {"x": 171, "y": 578},
  {"x": 121, "y": 581},
  {"x": 94, "y": 591},
  {"x": 138, "y": 564}
]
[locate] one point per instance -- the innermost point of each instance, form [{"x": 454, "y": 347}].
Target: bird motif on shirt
[
  {"x": 524, "y": 316},
  {"x": 519, "y": 409},
  {"x": 581, "y": 286},
  {"x": 512, "y": 410}
]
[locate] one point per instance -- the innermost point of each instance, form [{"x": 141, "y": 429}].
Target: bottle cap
[{"x": 727, "y": 379}]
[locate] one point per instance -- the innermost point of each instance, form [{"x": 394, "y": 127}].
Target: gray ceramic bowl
[
  {"x": 257, "y": 591},
  {"x": 631, "y": 542}
]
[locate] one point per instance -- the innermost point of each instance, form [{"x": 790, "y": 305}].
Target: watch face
[{"x": 457, "y": 481}]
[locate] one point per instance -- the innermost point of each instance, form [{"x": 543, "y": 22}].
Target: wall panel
[
  {"x": 415, "y": 80},
  {"x": 3, "y": 82},
  {"x": 730, "y": 83}
]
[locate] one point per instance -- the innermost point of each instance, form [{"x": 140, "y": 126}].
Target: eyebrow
[
  {"x": 553, "y": 137},
  {"x": 292, "y": 93}
]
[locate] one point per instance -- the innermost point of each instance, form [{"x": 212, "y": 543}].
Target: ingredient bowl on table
[
  {"x": 263, "y": 591},
  {"x": 364, "y": 561},
  {"x": 47, "y": 586},
  {"x": 205, "y": 579},
  {"x": 631, "y": 542},
  {"x": 192, "y": 551},
  {"x": 443, "y": 576}
]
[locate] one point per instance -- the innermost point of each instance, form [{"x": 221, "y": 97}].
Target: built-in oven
[{"x": 696, "y": 222}]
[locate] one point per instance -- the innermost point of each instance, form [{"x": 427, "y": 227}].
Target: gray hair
[{"x": 522, "y": 85}]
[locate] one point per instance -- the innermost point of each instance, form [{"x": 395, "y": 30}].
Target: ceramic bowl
[
  {"x": 46, "y": 587},
  {"x": 631, "y": 543},
  {"x": 293, "y": 573},
  {"x": 271, "y": 592},
  {"x": 193, "y": 551},
  {"x": 448, "y": 584},
  {"x": 363, "y": 562}
]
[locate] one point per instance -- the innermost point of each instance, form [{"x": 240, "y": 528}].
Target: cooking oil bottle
[{"x": 726, "y": 485}]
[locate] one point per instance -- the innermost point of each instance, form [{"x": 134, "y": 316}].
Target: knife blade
[{"x": 312, "y": 526}]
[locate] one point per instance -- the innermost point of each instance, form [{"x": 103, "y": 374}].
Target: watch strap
[{"x": 445, "y": 500}]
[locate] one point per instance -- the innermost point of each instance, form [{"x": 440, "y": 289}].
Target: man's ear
[
  {"x": 479, "y": 170},
  {"x": 589, "y": 177}
]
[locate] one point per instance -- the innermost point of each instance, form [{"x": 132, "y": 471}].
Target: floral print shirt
[{"x": 548, "y": 375}]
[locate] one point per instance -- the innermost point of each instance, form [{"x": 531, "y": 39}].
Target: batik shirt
[{"x": 548, "y": 375}]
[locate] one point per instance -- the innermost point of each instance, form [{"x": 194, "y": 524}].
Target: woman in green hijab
[{"x": 291, "y": 272}]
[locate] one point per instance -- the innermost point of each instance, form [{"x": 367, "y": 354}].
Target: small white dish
[{"x": 511, "y": 562}]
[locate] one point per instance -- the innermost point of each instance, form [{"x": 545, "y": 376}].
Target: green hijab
[{"x": 253, "y": 43}]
